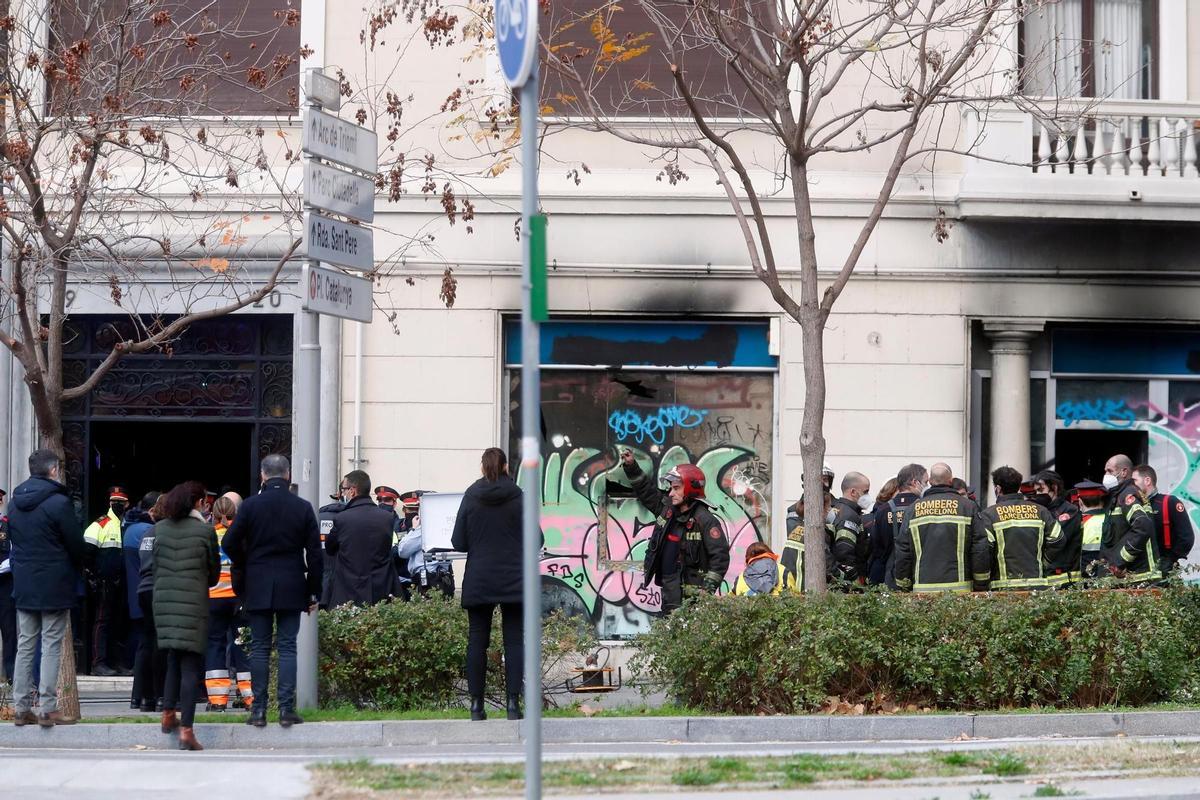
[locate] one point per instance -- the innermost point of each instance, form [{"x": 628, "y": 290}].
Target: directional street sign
[
  {"x": 337, "y": 242},
  {"x": 325, "y": 136},
  {"x": 339, "y": 192},
  {"x": 323, "y": 90},
  {"x": 328, "y": 291},
  {"x": 516, "y": 39}
]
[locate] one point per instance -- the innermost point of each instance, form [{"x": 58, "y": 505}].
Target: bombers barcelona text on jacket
[{"x": 940, "y": 549}]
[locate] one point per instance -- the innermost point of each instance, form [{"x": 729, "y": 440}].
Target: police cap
[{"x": 117, "y": 494}]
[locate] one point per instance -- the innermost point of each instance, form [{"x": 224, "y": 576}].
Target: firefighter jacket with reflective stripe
[
  {"x": 1091, "y": 560},
  {"x": 1023, "y": 539},
  {"x": 850, "y": 545},
  {"x": 1129, "y": 534},
  {"x": 224, "y": 587},
  {"x": 703, "y": 548},
  {"x": 938, "y": 549},
  {"x": 1173, "y": 534},
  {"x": 1064, "y": 567}
]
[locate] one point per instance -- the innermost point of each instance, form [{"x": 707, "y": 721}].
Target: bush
[
  {"x": 887, "y": 651},
  {"x": 402, "y": 656}
]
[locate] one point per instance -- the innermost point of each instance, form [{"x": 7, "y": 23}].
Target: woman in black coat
[{"x": 488, "y": 530}]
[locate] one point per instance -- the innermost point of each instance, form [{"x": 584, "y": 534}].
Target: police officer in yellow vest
[
  {"x": 106, "y": 594},
  {"x": 1128, "y": 528},
  {"x": 1089, "y": 498}
]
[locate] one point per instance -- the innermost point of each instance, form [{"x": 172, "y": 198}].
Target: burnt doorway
[
  {"x": 210, "y": 406},
  {"x": 145, "y": 456},
  {"x": 1081, "y": 454}
]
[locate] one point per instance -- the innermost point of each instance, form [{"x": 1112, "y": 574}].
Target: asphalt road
[{"x": 138, "y": 775}]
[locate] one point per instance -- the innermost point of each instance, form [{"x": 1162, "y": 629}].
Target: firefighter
[
  {"x": 1050, "y": 490},
  {"x": 1022, "y": 537},
  {"x": 937, "y": 548},
  {"x": 1173, "y": 534},
  {"x": 1089, "y": 497},
  {"x": 688, "y": 546},
  {"x": 850, "y": 546},
  {"x": 889, "y": 520},
  {"x": 106, "y": 593},
  {"x": 791, "y": 557},
  {"x": 223, "y": 626},
  {"x": 1128, "y": 543}
]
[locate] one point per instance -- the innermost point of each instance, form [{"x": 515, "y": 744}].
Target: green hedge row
[
  {"x": 1066, "y": 649},
  {"x": 401, "y": 656}
]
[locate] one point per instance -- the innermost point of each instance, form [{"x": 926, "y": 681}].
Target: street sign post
[
  {"x": 322, "y": 90},
  {"x": 332, "y": 139},
  {"x": 516, "y": 44},
  {"x": 339, "y": 192},
  {"x": 328, "y": 291},
  {"x": 337, "y": 242}
]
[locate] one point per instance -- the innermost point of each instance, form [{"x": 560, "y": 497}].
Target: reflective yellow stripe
[{"x": 953, "y": 586}]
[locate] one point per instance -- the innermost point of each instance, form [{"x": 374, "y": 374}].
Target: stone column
[{"x": 1009, "y": 434}]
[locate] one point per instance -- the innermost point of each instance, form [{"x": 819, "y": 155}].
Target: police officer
[
  {"x": 106, "y": 594},
  {"x": 939, "y": 548},
  {"x": 1050, "y": 491},
  {"x": 1090, "y": 496},
  {"x": 325, "y": 518},
  {"x": 889, "y": 520},
  {"x": 426, "y": 573},
  {"x": 688, "y": 547},
  {"x": 850, "y": 546},
  {"x": 1128, "y": 542},
  {"x": 1022, "y": 537},
  {"x": 1173, "y": 534}
]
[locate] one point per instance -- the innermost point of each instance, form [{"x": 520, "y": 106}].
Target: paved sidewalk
[{"x": 599, "y": 730}]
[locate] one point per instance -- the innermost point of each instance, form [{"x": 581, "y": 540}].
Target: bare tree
[{"x": 767, "y": 92}]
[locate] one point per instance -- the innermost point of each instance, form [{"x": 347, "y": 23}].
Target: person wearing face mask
[
  {"x": 1173, "y": 534},
  {"x": 688, "y": 546},
  {"x": 360, "y": 543},
  {"x": 889, "y": 519},
  {"x": 937, "y": 549},
  {"x": 1128, "y": 543},
  {"x": 1021, "y": 536},
  {"x": 850, "y": 546},
  {"x": 1090, "y": 496},
  {"x": 1050, "y": 491},
  {"x": 106, "y": 592}
]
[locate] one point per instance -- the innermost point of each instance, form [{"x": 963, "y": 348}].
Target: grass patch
[
  {"x": 694, "y": 776},
  {"x": 1050, "y": 790},
  {"x": 1006, "y": 765}
]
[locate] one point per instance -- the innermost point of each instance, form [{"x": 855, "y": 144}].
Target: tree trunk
[
  {"x": 812, "y": 428},
  {"x": 68, "y": 686}
]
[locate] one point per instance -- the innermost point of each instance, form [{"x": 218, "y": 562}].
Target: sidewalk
[{"x": 605, "y": 730}]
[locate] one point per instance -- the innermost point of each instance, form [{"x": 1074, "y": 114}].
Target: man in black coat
[
  {"x": 47, "y": 556},
  {"x": 275, "y": 546},
  {"x": 361, "y": 546}
]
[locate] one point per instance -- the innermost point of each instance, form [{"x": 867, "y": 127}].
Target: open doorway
[
  {"x": 141, "y": 456},
  {"x": 1081, "y": 454}
]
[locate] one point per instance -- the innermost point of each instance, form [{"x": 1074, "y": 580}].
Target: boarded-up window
[
  {"x": 621, "y": 55},
  {"x": 171, "y": 57}
]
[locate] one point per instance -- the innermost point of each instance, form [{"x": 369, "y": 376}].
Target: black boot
[
  {"x": 477, "y": 712},
  {"x": 514, "y": 707}
]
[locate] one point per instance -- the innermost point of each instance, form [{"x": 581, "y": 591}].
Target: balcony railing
[{"x": 1140, "y": 138}]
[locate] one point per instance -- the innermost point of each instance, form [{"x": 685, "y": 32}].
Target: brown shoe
[
  {"x": 55, "y": 718},
  {"x": 169, "y": 720},
  {"x": 24, "y": 718},
  {"x": 187, "y": 740}
]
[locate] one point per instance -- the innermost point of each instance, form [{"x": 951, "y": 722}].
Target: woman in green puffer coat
[{"x": 186, "y": 562}]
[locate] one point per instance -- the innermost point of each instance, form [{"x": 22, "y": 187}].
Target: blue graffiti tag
[
  {"x": 1114, "y": 412},
  {"x": 655, "y": 424}
]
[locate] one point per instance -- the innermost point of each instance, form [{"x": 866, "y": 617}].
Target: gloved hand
[{"x": 1117, "y": 572}]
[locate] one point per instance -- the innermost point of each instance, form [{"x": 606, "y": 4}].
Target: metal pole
[
  {"x": 306, "y": 472},
  {"x": 531, "y": 425}
]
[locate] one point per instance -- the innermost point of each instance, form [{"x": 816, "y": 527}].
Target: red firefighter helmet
[{"x": 692, "y": 479}]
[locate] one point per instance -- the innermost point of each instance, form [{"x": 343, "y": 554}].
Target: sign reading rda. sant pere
[
  {"x": 327, "y": 239},
  {"x": 325, "y": 136},
  {"x": 327, "y": 291}
]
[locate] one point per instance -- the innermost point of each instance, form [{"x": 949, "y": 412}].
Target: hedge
[
  {"x": 401, "y": 656},
  {"x": 1065, "y": 649}
]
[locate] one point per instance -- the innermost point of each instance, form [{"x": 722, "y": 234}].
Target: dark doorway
[
  {"x": 141, "y": 456},
  {"x": 1081, "y": 454}
]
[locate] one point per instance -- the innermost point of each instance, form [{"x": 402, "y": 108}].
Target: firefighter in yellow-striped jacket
[
  {"x": 1023, "y": 537},
  {"x": 938, "y": 548},
  {"x": 223, "y": 625}
]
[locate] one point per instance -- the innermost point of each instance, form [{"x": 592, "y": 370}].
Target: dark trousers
[
  {"x": 672, "y": 592},
  {"x": 479, "y": 636},
  {"x": 285, "y": 625},
  {"x": 8, "y": 625},
  {"x": 108, "y": 602},
  {"x": 150, "y": 663},
  {"x": 183, "y": 677}
]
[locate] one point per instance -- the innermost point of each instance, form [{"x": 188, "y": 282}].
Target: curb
[{"x": 609, "y": 730}]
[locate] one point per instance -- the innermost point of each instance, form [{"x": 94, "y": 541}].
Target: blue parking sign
[{"x": 516, "y": 39}]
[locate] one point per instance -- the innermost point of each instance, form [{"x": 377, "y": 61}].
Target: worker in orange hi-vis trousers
[{"x": 223, "y": 625}]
